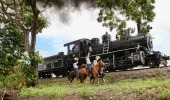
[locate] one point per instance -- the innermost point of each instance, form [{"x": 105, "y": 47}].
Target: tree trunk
[
  {"x": 34, "y": 62},
  {"x": 26, "y": 41},
  {"x": 33, "y": 43}
]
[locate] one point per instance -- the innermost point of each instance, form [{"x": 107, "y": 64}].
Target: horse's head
[{"x": 102, "y": 64}]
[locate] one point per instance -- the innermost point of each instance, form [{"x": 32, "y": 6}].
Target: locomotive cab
[{"x": 77, "y": 48}]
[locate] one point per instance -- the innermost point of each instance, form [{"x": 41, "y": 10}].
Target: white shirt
[
  {"x": 75, "y": 65},
  {"x": 88, "y": 59}
]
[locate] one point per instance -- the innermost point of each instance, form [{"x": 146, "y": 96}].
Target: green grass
[{"x": 62, "y": 88}]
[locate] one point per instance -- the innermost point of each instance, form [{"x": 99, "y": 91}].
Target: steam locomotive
[{"x": 119, "y": 54}]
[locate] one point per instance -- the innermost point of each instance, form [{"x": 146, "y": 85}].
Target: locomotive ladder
[{"x": 106, "y": 47}]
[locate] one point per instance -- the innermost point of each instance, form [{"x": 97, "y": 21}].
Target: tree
[
  {"x": 115, "y": 13},
  {"x": 25, "y": 15}
]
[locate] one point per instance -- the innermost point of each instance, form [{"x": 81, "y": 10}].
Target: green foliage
[
  {"x": 28, "y": 16},
  {"x": 13, "y": 81},
  {"x": 115, "y": 13},
  {"x": 27, "y": 66},
  {"x": 11, "y": 48}
]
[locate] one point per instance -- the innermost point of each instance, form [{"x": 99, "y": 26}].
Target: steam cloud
[{"x": 63, "y": 8}]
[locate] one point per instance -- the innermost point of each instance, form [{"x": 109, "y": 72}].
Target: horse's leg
[
  {"x": 91, "y": 80},
  {"x": 94, "y": 78},
  {"x": 104, "y": 81},
  {"x": 98, "y": 81},
  {"x": 69, "y": 78},
  {"x": 84, "y": 79},
  {"x": 72, "y": 79}
]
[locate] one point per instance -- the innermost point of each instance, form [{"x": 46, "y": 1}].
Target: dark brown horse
[
  {"x": 71, "y": 76},
  {"x": 98, "y": 72}
]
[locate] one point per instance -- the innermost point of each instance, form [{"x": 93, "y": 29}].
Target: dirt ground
[{"x": 118, "y": 76}]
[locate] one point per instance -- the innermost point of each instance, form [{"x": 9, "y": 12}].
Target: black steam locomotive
[{"x": 119, "y": 54}]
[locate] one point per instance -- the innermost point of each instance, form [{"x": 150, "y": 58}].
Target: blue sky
[{"x": 83, "y": 24}]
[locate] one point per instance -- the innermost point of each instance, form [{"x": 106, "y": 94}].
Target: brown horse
[
  {"x": 98, "y": 72},
  {"x": 72, "y": 74},
  {"x": 83, "y": 73}
]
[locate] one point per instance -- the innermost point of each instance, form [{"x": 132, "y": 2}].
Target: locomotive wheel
[{"x": 151, "y": 63}]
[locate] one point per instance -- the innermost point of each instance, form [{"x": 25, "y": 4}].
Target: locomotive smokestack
[{"x": 139, "y": 26}]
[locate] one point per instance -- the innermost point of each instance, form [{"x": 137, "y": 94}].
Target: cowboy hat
[
  {"x": 97, "y": 57},
  {"x": 76, "y": 58}
]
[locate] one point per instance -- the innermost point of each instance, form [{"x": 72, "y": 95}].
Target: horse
[
  {"x": 83, "y": 73},
  {"x": 72, "y": 74},
  {"x": 98, "y": 72}
]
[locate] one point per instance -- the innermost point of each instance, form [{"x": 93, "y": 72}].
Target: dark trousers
[
  {"x": 77, "y": 72},
  {"x": 89, "y": 68}
]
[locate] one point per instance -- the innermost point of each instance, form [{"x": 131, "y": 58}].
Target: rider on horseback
[
  {"x": 75, "y": 66},
  {"x": 95, "y": 62},
  {"x": 88, "y": 50}
]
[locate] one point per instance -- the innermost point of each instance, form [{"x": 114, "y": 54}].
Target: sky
[{"x": 82, "y": 23}]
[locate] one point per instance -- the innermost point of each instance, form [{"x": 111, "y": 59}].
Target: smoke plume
[{"x": 64, "y": 8}]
